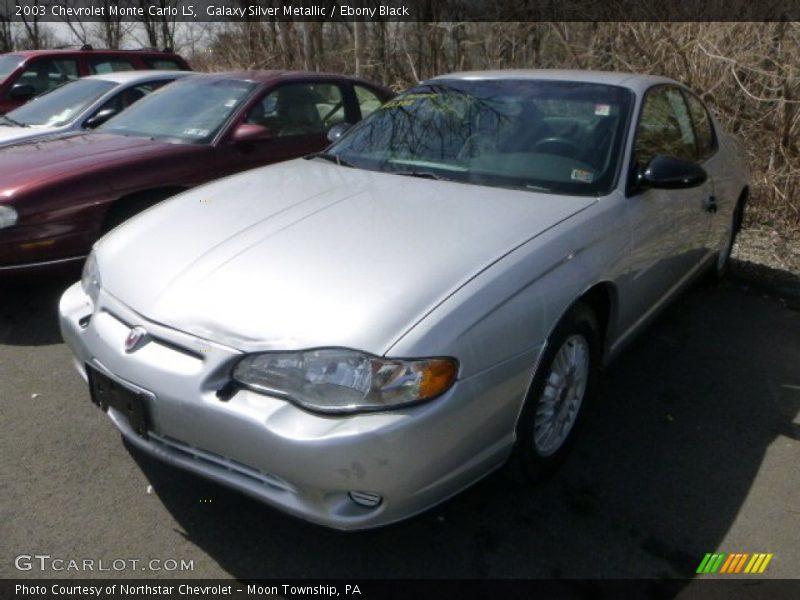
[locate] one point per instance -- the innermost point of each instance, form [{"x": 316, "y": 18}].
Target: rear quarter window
[{"x": 704, "y": 129}]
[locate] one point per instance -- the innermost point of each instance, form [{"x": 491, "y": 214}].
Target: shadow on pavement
[
  {"x": 656, "y": 480},
  {"x": 29, "y": 309}
]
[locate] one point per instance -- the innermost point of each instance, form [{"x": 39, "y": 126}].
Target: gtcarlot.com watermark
[{"x": 46, "y": 563}]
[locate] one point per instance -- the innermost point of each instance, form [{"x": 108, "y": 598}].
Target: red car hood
[{"x": 40, "y": 162}]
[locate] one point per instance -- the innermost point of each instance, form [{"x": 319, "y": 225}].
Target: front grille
[{"x": 189, "y": 352}]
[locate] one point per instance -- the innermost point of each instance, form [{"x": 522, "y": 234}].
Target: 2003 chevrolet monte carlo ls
[{"x": 356, "y": 336}]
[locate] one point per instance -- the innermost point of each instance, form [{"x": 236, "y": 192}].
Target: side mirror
[
  {"x": 22, "y": 91},
  {"x": 337, "y": 131},
  {"x": 668, "y": 173},
  {"x": 250, "y": 132},
  {"x": 99, "y": 118}
]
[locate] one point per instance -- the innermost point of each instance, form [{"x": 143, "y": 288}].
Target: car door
[
  {"x": 725, "y": 190},
  {"x": 295, "y": 118},
  {"x": 668, "y": 227}
]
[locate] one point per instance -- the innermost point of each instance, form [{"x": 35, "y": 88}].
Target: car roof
[
  {"x": 634, "y": 81},
  {"x": 122, "y": 77},
  {"x": 94, "y": 51}
]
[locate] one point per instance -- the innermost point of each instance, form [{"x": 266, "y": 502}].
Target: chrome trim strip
[{"x": 46, "y": 263}]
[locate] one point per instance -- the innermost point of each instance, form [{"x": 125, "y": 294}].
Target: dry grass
[{"x": 748, "y": 73}]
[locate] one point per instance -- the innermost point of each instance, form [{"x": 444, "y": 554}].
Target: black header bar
[{"x": 190, "y": 11}]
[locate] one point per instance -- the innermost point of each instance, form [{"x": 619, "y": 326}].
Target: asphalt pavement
[{"x": 693, "y": 447}]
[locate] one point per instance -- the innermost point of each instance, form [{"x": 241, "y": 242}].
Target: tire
[
  {"x": 574, "y": 345},
  {"x": 721, "y": 267}
]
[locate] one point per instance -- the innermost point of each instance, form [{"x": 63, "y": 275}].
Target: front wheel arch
[
  {"x": 129, "y": 205},
  {"x": 579, "y": 319}
]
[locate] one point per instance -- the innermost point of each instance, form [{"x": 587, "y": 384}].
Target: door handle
[{"x": 710, "y": 204}]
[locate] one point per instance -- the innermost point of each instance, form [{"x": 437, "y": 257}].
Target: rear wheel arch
[
  {"x": 719, "y": 269},
  {"x": 741, "y": 203}
]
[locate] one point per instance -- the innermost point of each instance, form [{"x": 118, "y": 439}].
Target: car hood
[
  {"x": 53, "y": 159},
  {"x": 307, "y": 253}
]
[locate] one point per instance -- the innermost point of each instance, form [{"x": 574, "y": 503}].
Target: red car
[
  {"x": 57, "y": 197},
  {"x": 26, "y": 74}
]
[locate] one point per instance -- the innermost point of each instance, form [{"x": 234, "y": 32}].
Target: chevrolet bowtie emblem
[{"x": 136, "y": 336}]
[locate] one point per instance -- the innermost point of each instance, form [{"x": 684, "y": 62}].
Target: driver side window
[
  {"x": 299, "y": 109},
  {"x": 665, "y": 127}
]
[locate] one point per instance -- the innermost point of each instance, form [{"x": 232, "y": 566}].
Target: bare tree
[
  {"x": 160, "y": 30},
  {"x": 36, "y": 35},
  {"x": 6, "y": 36}
]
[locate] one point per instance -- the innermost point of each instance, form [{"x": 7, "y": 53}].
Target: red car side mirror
[{"x": 250, "y": 132}]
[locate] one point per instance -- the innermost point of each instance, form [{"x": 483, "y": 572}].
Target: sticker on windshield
[
  {"x": 230, "y": 103},
  {"x": 602, "y": 110},
  {"x": 582, "y": 175},
  {"x": 196, "y": 132}
]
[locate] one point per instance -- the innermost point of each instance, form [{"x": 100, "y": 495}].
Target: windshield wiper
[
  {"x": 334, "y": 158},
  {"x": 423, "y": 174},
  {"x": 13, "y": 122}
]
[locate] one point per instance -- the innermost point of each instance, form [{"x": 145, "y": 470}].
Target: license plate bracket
[{"x": 105, "y": 392}]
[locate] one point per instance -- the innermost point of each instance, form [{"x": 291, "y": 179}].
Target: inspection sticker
[
  {"x": 582, "y": 175},
  {"x": 602, "y": 110},
  {"x": 196, "y": 132}
]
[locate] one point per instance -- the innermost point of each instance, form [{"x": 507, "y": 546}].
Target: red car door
[{"x": 287, "y": 121}]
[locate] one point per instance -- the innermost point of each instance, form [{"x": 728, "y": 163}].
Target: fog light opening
[{"x": 367, "y": 499}]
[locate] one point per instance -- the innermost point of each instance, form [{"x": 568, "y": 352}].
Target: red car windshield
[{"x": 191, "y": 110}]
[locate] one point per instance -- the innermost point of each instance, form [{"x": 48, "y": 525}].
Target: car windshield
[
  {"x": 190, "y": 110},
  {"x": 61, "y": 105},
  {"x": 8, "y": 63},
  {"x": 553, "y": 136}
]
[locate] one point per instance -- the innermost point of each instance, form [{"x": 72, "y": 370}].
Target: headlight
[
  {"x": 337, "y": 380},
  {"x": 90, "y": 279},
  {"x": 8, "y": 216}
]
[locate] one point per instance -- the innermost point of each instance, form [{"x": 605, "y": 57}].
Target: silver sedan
[
  {"x": 356, "y": 336},
  {"x": 80, "y": 105}
]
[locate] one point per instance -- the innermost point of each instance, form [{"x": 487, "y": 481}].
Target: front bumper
[{"x": 302, "y": 463}]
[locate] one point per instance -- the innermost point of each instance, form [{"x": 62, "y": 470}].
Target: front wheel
[{"x": 563, "y": 386}]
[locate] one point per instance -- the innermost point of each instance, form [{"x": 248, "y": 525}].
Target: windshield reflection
[
  {"x": 190, "y": 110},
  {"x": 556, "y": 136}
]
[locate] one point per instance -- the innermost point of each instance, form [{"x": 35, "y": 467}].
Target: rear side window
[
  {"x": 109, "y": 65},
  {"x": 163, "y": 64},
  {"x": 704, "y": 130},
  {"x": 665, "y": 127},
  {"x": 368, "y": 101},
  {"x": 47, "y": 73}
]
